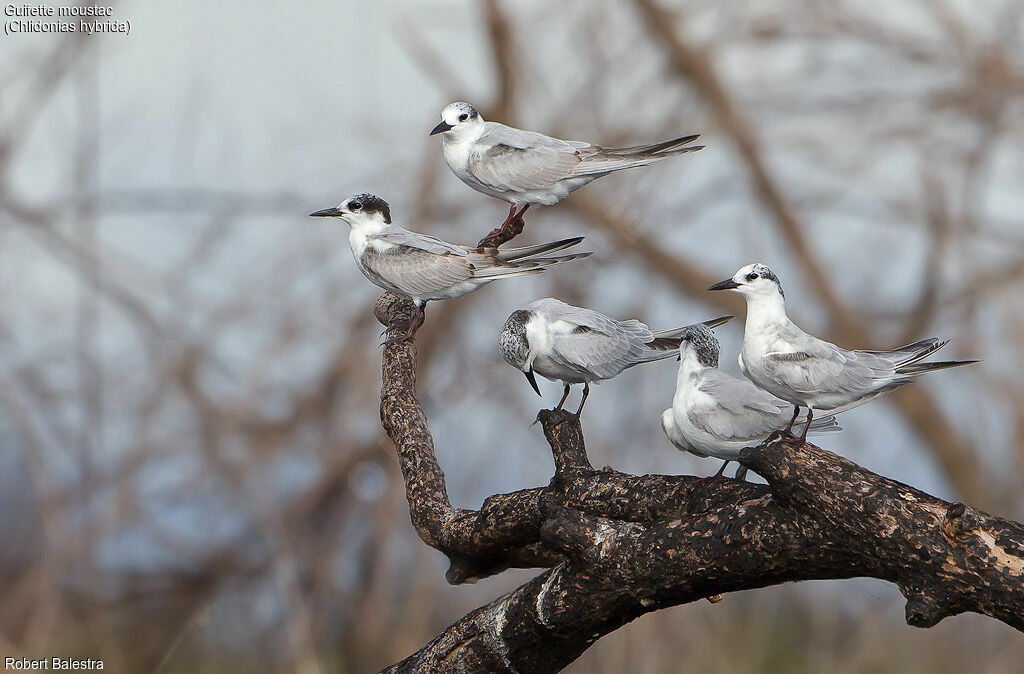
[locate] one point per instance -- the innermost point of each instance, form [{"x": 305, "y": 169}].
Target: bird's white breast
[
  {"x": 361, "y": 240},
  {"x": 459, "y": 153},
  {"x": 759, "y": 339},
  {"x": 688, "y": 395},
  {"x": 668, "y": 424},
  {"x": 456, "y": 154},
  {"x": 357, "y": 241}
]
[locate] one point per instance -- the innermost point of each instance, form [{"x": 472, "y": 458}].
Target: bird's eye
[
  {"x": 752, "y": 276},
  {"x": 355, "y": 206},
  {"x": 463, "y": 117}
]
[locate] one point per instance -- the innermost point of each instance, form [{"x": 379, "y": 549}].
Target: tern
[
  {"x": 425, "y": 268},
  {"x": 574, "y": 345},
  {"x": 526, "y": 168},
  {"x": 809, "y": 372},
  {"x": 714, "y": 414}
]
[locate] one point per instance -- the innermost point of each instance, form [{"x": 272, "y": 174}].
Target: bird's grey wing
[
  {"x": 824, "y": 366},
  {"x": 736, "y": 410},
  {"x": 523, "y": 160},
  {"x": 430, "y": 244},
  {"x": 414, "y": 271},
  {"x": 556, "y": 310},
  {"x": 599, "y": 344}
]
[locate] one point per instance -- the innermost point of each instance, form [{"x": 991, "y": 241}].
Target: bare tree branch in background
[
  {"x": 950, "y": 447},
  {"x": 238, "y": 510}
]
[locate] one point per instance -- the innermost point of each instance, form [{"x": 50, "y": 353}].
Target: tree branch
[{"x": 617, "y": 546}]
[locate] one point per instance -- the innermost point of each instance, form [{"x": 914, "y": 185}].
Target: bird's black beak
[
  {"x": 441, "y": 128},
  {"x": 533, "y": 381},
  {"x": 727, "y": 284},
  {"x": 326, "y": 213}
]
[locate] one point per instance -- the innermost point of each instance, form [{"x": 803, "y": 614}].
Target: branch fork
[{"x": 616, "y": 546}]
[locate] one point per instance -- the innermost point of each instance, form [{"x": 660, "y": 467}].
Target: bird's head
[
  {"x": 755, "y": 281},
  {"x": 699, "y": 344},
  {"x": 515, "y": 345},
  {"x": 458, "y": 120},
  {"x": 361, "y": 210}
]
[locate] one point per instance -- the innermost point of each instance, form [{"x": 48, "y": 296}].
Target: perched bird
[
  {"x": 714, "y": 414},
  {"x": 578, "y": 346},
  {"x": 810, "y": 372},
  {"x": 526, "y": 168},
  {"x": 424, "y": 268}
]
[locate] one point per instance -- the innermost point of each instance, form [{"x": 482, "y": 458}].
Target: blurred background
[{"x": 192, "y": 473}]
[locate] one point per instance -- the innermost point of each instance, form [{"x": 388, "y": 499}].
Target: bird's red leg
[
  {"x": 510, "y": 229},
  {"x": 789, "y": 428},
  {"x": 721, "y": 471},
  {"x": 807, "y": 427},
  {"x": 586, "y": 392},
  {"x": 417, "y": 320},
  {"x": 565, "y": 395},
  {"x": 509, "y": 218},
  {"x": 419, "y": 315}
]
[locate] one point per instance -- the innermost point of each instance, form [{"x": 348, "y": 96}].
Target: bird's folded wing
[
  {"x": 604, "y": 351},
  {"x": 826, "y": 367},
  {"x": 414, "y": 271},
  {"x": 740, "y": 395},
  {"x": 430, "y": 244},
  {"x": 595, "y": 352},
  {"x": 736, "y": 410},
  {"x": 586, "y": 340},
  {"x": 556, "y": 310},
  {"x": 522, "y": 160}
]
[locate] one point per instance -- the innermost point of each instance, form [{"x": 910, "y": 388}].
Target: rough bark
[{"x": 617, "y": 546}]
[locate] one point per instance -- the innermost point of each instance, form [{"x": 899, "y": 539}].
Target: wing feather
[
  {"x": 736, "y": 410},
  {"x": 822, "y": 365},
  {"x": 430, "y": 244},
  {"x": 414, "y": 271},
  {"x": 590, "y": 341},
  {"x": 524, "y": 160}
]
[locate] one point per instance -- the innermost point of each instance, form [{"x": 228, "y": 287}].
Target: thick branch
[{"x": 619, "y": 545}]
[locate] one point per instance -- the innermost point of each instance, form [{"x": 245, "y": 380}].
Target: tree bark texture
[{"x": 616, "y": 546}]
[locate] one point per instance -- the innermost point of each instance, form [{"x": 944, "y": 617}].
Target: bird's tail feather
[
  {"x": 911, "y": 353},
  {"x": 608, "y": 160},
  {"x": 526, "y": 252},
  {"x": 715, "y": 322},
  {"x": 654, "y": 353},
  {"x": 826, "y": 424},
  {"x": 925, "y": 348},
  {"x": 919, "y": 368},
  {"x": 676, "y": 332},
  {"x": 664, "y": 343},
  {"x": 533, "y": 265},
  {"x": 548, "y": 261},
  {"x": 656, "y": 148},
  {"x": 505, "y": 272}
]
